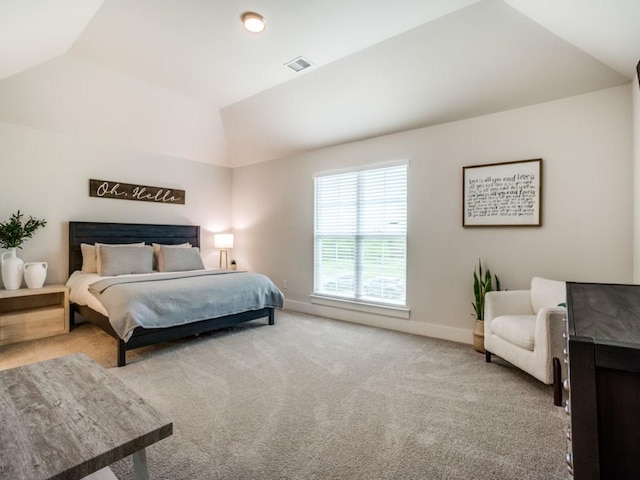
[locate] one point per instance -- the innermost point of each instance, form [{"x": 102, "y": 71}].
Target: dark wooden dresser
[{"x": 603, "y": 331}]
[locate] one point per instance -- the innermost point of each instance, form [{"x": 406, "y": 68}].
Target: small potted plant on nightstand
[
  {"x": 234, "y": 265},
  {"x": 13, "y": 234},
  {"x": 482, "y": 284}
]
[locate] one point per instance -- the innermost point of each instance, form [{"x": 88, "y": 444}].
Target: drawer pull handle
[{"x": 569, "y": 460}]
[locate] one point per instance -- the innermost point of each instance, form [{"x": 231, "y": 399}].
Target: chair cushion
[
  {"x": 547, "y": 293},
  {"x": 516, "y": 329}
]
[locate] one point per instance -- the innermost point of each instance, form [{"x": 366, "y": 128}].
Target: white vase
[
  {"x": 12, "y": 269},
  {"x": 35, "y": 273}
]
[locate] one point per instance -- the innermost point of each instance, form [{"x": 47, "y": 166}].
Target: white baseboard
[{"x": 459, "y": 335}]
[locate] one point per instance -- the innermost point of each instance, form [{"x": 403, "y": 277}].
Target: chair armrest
[
  {"x": 548, "y": 336},
  {"x": 550, "y": 326},
  {"x": 507, "y": 302}
]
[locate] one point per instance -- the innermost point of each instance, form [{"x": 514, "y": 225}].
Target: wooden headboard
[{"x": 92, "y": 232}]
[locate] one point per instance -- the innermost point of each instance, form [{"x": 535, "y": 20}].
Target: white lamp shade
[{"x": 223, "y": 240}]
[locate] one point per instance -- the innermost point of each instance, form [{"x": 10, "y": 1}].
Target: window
[{"x": 360, "y": 246}]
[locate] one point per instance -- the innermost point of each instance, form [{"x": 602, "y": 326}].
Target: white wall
[
  {"x": 586, "y": 146},
  {"x": 73, "y": 95},
  {"x": 46, "y": 175},
  {"x": 68, "y": 120}
]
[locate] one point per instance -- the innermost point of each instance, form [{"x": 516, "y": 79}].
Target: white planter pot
[
  {"x": 12, "y": 269},
  {"x": 35, "y": 273}
]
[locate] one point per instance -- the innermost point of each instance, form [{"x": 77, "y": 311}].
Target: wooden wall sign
[{"x": 128, "y": 191}]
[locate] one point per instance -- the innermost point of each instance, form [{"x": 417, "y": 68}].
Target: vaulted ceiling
[{"x": 378, "y": 66}]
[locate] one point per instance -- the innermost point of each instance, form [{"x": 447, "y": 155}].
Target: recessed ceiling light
[{"x": 254, "y": 22}]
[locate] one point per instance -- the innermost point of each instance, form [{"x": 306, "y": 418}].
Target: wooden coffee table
[{"x": 68, "y": 417}]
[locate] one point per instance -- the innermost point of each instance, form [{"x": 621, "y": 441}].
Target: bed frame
[{"x": 92, "y": 232}]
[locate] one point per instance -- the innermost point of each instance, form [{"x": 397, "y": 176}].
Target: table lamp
[{"x": 223, "y": 241}]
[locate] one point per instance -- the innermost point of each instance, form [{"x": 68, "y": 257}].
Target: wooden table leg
[{"x": 140, "y": 465}]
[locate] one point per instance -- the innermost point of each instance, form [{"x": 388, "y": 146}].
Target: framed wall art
[{"x": 502, "y": 194}]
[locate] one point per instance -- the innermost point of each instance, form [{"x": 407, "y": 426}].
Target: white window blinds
[{"x": 361, "y": 235}]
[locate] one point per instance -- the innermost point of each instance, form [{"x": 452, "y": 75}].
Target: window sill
[{"x": 386, "y": 310}]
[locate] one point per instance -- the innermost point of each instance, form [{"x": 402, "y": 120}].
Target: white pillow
[
  {"x": 547, "y": 293},
  {"x": 88, "y": 258}
]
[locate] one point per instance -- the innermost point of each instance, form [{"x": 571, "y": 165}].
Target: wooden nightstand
[{"x": 29, "y": 313}]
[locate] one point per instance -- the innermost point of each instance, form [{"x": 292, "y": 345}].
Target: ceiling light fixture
[
  {"x": 254, "y": 22},
  {"x": 299, "y": 64}
]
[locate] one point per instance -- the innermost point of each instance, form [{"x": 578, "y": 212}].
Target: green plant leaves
[
  {"x": 482, "y": 285},
  {"x": 14, "y": 232}
]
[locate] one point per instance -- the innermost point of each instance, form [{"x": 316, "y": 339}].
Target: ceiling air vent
[{"x": 298, "y": 64}]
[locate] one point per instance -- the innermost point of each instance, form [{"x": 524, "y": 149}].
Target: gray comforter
[{"x": 164, "y": 300}]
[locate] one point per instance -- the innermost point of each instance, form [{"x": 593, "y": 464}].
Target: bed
[{"x": 91, "y": 233}]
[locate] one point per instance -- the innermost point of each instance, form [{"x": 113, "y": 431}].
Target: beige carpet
[{"x": 312, "y": 398}]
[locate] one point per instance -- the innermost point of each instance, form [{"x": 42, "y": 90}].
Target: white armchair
[{"x": 524, "y": 327}]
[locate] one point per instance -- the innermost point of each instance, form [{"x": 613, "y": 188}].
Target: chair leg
[
  {"x": 487, "y": 356},
  {"x": 557, "y": 383}
]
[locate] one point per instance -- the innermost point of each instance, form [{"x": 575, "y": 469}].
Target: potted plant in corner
[
  {"x": 13, "y": 234},
  {"x": 481, "y": 285}
]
